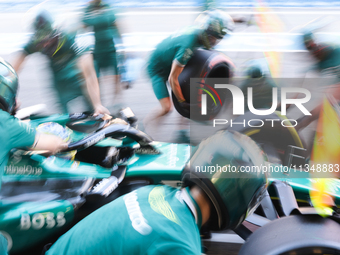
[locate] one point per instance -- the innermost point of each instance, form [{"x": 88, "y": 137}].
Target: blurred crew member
[
  {"x": 326, "y": 55},
  {"x": 328, "y": 63},
  {"x": 165, "y": 220},
  {"x": 72, "y": 66},
  {"x": 169, "y": 58},
  {"x": 14, "y": 133},
  {"x": 101, "y": 18},
  {"x": 257, "y": 76}
]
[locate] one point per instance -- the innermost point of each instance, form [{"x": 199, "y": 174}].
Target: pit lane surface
[{"x": 142, "y": 28}]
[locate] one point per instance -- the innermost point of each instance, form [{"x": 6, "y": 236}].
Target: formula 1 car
[{"x": 43, "y": 196}]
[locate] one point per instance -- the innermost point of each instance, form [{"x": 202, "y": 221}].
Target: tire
[
  {"x": 298, "y": 235},
  {"x": 203, "y": 65}
]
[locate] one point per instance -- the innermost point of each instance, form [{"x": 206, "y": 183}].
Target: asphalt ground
[{"x": 36, "y": 85}]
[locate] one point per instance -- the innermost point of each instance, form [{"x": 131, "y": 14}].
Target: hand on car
[{"x": 100, "y": 109}]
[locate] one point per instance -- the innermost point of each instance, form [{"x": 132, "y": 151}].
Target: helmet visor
[
  {"x": 213, "y": 41},
  {"x": 49, "y": 45},
  {"x": 209, "y": 41}
]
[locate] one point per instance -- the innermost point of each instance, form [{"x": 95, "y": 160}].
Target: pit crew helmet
[
  {"x": 8, "y": 87},
  {"x": 45, "y": 34},
  {"x": 233, "y": 193},
  {"x": 42, "y": 25},
  {"x": 214, "y": 25},
  {"x": 318, "y": 50},
  {"x": 308, "y": 38},
  {"x": 256, "y": 68}
]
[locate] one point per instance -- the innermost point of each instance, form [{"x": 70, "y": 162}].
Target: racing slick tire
[
  {"x": 204, "y": 64},
  {"x": 297, "y": 234}
]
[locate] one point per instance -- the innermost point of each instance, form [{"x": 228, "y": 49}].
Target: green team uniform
[
  {"x": 331, "y": 63},
  {"x": 102, "y": 19},
  {"x": 262, "y": 92},
  {"x": 68, "y": 78},
  {"x": 13, "y": 133},
  {"x": 3, "y": 245},
  {"x": 178, "y": 47},
  {"x": 151, "y": 220}
]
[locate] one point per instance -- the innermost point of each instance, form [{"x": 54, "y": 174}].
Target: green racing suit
[
  {"x": 13, "y": 133},
  {"x": 178, "y": 47},
  {"x": 330, "y": 64},
  {"x": 68, "y": 79},
  {"x": 102, "y": 19}
]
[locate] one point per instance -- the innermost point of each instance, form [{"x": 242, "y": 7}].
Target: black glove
[{"x": 185, "y": 105}]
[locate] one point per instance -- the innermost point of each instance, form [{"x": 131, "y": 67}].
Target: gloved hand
[{"x": 185, "y": 105}]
